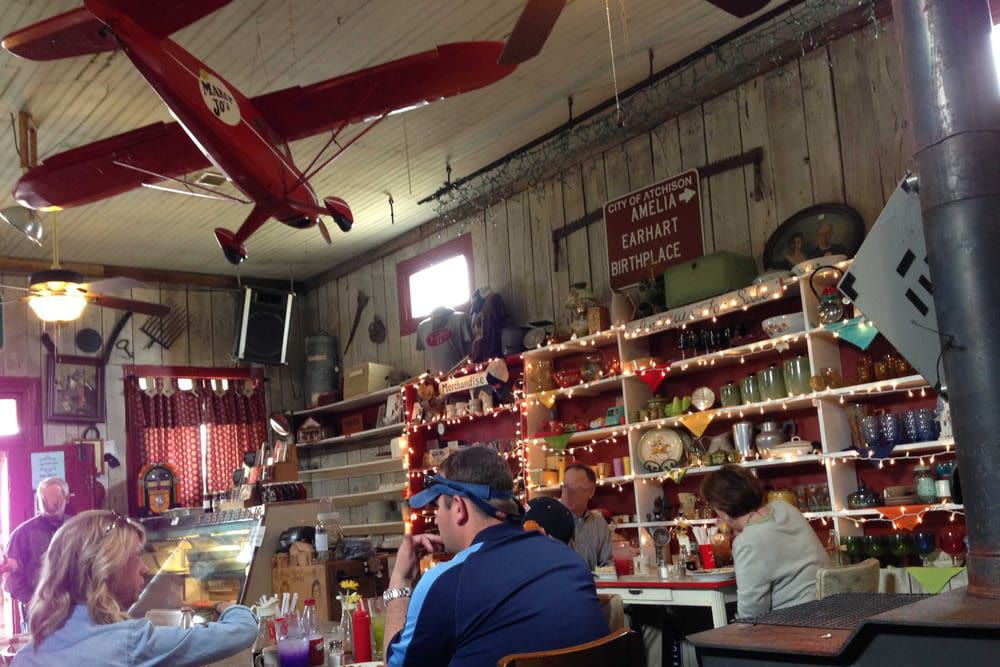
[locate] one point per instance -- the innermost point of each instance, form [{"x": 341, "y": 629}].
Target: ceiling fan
[{"x": 60, "y": 295}]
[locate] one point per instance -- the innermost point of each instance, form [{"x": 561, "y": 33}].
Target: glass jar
[
  {"x": 330, "y": 523},
  {"x": 592, "y": 367},
  {"x": 866, "y": 370},
  {"x": 923, "y": 484},
  {"x": 539, "y": 375}
]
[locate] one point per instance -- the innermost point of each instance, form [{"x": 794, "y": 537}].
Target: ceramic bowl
[{"x": 781, "y": 325}]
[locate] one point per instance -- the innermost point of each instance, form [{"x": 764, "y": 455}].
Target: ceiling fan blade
[
  {"x": 740, "y": 8},
  {"x": 15, "y": 287},
  {"x": 112, "y": 284},
  {"x": 141, "y": 307},
  {"x": 532, "y": 29},
  {"x": 324, "y": 231}
]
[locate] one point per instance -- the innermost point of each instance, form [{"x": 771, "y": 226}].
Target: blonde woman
[{"x": 92, "y": 572}]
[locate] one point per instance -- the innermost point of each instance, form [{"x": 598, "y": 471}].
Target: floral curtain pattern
[
  {"x": 235, "y": 423},
  {"x": 165, "y": 423},
  {"x": 167, "y": 431}
]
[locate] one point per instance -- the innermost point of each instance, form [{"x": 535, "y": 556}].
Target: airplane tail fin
[{"x": 78, "y": 32}]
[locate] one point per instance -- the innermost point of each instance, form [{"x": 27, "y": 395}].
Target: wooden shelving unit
[{"x": 822, "y": 414}]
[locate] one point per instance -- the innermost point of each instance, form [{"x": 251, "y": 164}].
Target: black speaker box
[{"x": 262, "y": 328}]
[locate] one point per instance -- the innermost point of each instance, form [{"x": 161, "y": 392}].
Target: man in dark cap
[{"x": 550, "y": 517}]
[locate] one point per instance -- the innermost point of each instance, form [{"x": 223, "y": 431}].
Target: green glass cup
[
  {"x": 750, "y": 389},
  {"x": 797, "y": 374},
  {"x": 854, "y": 548},
  {"x": 730, "y": 395}
]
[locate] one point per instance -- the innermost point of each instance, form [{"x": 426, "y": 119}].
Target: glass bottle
[
  {"x": 265, "y": 636},
  {"x": 346, "y": 627},
  {"x": 310, "y": 629},
  {"x": 321, "y": 542}
]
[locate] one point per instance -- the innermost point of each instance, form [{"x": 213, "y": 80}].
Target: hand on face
[{"x": 411, "y": 550}]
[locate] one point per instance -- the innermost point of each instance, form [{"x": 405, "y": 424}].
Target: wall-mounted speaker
[{"x": 262, "y": 328}]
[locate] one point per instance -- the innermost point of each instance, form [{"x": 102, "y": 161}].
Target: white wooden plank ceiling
[{"x": 264, "y": 45}]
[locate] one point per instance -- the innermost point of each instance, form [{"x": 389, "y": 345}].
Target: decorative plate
[
  {"x": 703, "y": 398},
  {"x": 661, "y": 449},
  {"x": 661, "y": 536}
]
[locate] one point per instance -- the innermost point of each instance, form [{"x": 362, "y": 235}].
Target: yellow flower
[{"x": 349, "y": 584}]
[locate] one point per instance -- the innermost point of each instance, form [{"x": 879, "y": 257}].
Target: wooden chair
[
  {"x": 620, "y": 648},
  {"x": 614, "y": 610},
  {"x": 859, "y": 578}
]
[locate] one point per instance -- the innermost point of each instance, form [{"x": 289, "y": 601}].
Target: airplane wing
[
  {"x": 78, "y": 32},
  {"x": 448, "y": 70},
  {"x": 94, "y": 172}
]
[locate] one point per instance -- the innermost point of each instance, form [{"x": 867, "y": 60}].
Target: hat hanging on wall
[{"x": 376, "y": 330}]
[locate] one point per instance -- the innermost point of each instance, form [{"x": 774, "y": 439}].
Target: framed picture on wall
[
  {"x": 74, "y": 389},
  {"x": 817, "y": 231}
]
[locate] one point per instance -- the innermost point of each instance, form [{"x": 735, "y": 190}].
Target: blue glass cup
[
  {"x": 910, "y": 426},
  {"x": 870, "y": 431},
  {"x": 927, "y": 426},
  {"x": 889, "y": 428},
  {"x": 925, "y": 544}
]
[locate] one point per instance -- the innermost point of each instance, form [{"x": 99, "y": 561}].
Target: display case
[{"x": 199, "y": 559}]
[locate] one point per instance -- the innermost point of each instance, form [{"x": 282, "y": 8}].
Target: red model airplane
[{"x": 247, "y": 139}]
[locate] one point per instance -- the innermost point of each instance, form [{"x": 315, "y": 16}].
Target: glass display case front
[{"x": 198, "y": 559}]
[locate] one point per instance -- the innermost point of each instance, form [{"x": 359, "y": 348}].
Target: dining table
[{"x": 680, "y": 592}]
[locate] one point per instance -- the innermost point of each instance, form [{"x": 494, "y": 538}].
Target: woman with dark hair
[{"x": 775, "y": 551}]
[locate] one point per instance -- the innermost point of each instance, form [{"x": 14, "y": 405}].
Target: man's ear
[{"x": 462, "y": 508}]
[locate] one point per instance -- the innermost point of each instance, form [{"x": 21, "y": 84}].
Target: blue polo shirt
[{"x": 510, "y": 591}]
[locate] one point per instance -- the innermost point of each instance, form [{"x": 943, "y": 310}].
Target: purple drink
[{"x": 293, "y": 652}]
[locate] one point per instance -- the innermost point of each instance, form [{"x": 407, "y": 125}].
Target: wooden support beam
[{"x": 190, "y": 279}]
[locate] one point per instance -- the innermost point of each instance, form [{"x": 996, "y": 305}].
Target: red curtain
[
  {"x": 165, "y": 429},
  {"x": 235, "y": 423}
]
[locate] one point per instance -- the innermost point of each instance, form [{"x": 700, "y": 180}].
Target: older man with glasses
[
  {"x": 592, "y": 539},
  {"x": 29, "y": 541}
]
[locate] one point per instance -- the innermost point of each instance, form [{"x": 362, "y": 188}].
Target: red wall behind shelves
[{"x": 608, "y": 353}]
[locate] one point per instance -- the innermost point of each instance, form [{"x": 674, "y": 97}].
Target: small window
[
  {"x": 8, "y": 417},
  {"x": 442, "y": 276}
]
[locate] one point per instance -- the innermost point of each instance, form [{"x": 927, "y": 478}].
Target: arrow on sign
[{"x": 687, "y": 195}]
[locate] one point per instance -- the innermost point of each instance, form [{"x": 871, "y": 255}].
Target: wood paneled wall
[
  {"x": 833, "y": 126},
  {"x": 207, "y": 342}
]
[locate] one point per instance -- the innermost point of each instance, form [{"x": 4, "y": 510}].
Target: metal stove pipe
[{"x": 954, "y": 101}]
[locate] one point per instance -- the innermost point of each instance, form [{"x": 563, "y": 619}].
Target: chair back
[
  {"x": 613, "y": 609},
  {"x": 621, "y": 647},
  {"x": 859, "y": 578}
]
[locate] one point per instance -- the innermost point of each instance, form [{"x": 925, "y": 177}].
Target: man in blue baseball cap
[{"x": 506, "y": 590}]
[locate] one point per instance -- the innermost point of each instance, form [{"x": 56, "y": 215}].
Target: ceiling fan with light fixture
[{"x": 60, "y": 295}]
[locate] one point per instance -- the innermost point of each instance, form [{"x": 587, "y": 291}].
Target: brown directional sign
[{"x": 652, "y": 228}]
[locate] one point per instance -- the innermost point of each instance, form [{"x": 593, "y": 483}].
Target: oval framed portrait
[{"x": 817, "y": 231}]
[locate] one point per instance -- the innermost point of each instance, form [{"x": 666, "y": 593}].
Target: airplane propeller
[{"x": 324, "y": 231}]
